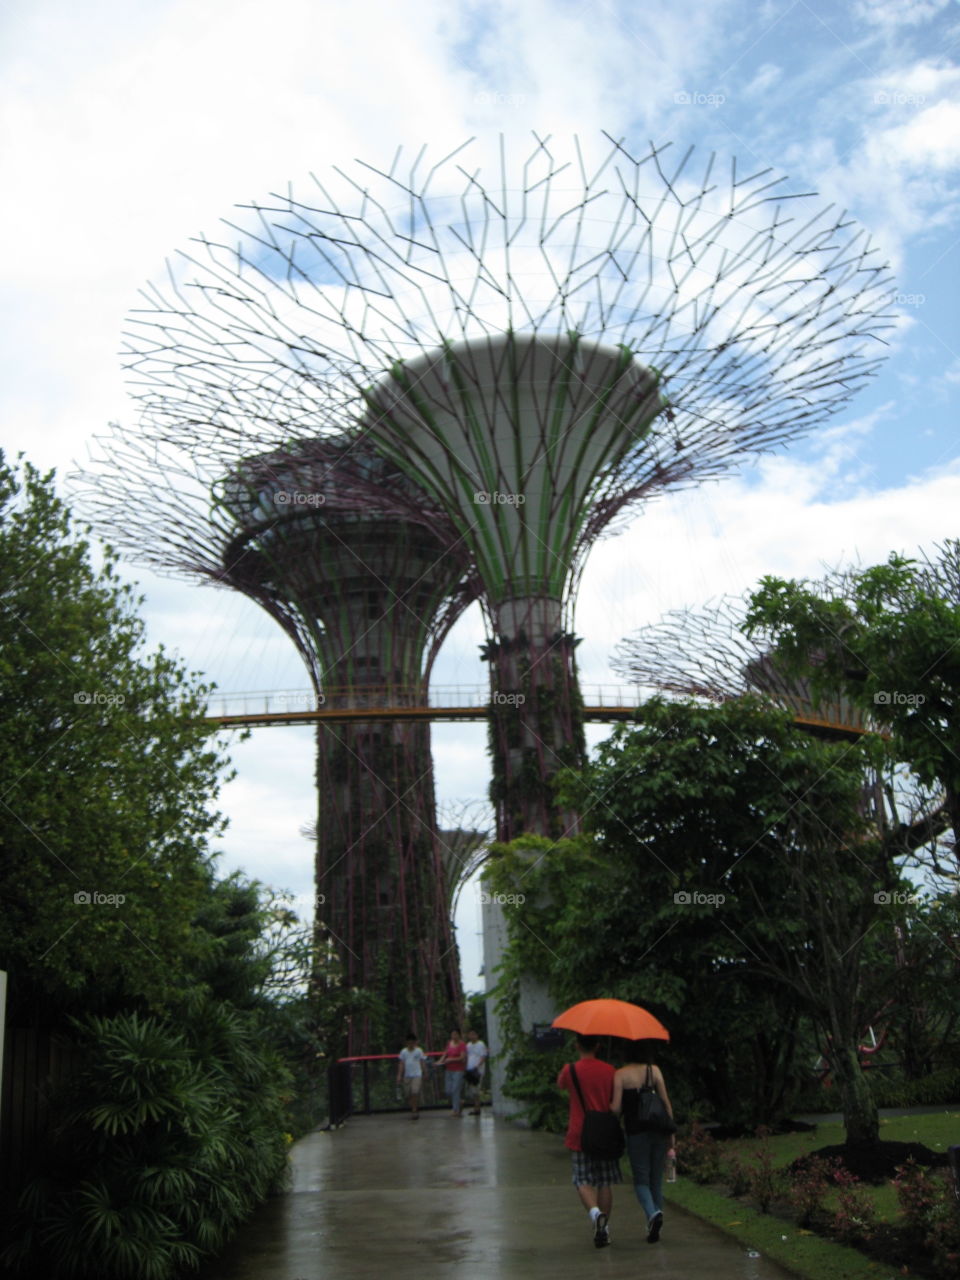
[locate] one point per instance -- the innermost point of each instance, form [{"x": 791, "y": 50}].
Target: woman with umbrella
[{"x": 640, "y": 1093}]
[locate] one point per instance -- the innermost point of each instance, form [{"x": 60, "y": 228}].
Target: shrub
[
  {"x": 916, "y": 1196},
  {"x": 531, "y": 1080},
  {"x": 698, "y": 1155},
  {"x": 737, "y": 1174},
  {"x": 808, "y": 1187},
  {"x": 765, "y": 1183},
  {"x": 943, "y": 1234},
  {"x": 931, "y": 1215},
  {"x": 854, "y": 1217},
  {"x": 939, "y": 1087},
  {"x": 167, "y": 1138}
]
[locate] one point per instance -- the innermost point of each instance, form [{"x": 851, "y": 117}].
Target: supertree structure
[
  {"x": 313, "y": 532},
  {"x": 706, "y": 654},
  {"x": 539, "y": 352}
]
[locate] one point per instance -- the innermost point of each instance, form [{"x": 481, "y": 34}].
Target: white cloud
[
  {"x": 767, "y": 75},
  {"x": 898, "y": 13},
  {"x": 930, "y": 140},
  {"x": 898, "y": 172}
]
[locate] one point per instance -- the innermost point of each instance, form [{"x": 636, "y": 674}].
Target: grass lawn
[
  {"x": 937, "y": 1131},
  {"x": 802, "y": 1252},
  {"x": 780, "y": 1238}
]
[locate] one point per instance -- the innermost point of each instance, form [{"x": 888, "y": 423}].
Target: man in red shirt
[{"x": 594, "y": 1179}]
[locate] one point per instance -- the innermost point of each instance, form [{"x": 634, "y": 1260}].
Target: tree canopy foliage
[
  {"x": 185, "y": 1002},
  {"x": 888, "y": 637},
  {"x": 106, "y": 815},
  {"x": 736, "y": 878}
]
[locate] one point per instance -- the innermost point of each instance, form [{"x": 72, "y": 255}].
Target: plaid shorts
[{"x": 588, "y": 1172}]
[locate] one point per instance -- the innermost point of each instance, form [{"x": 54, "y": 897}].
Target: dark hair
[
  {"x": 587, "y": 1042},
  {"x": 641, "y": 1051},
  {"x": 456, "y": 1031},
  {"x": 411, "y": 1035}
]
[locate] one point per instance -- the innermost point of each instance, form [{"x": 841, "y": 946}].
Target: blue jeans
[
  {"x": 647, "y": 1153},
  {"x": 453, "y": 1086}
]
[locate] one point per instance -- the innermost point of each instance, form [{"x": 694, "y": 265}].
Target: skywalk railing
[
  {"x": 372, "y": 702},
  {"x": 361, "y": 1085},
  {"x": 461, "y": 697}
]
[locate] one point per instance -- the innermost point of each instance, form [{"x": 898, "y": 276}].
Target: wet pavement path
[{"x": 439, "y": 1197}]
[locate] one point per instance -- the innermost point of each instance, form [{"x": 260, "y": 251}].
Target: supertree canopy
[
  {"x": 539, "y": 351},
  {"x": 706, "y": 654},
  {"x": 313, "y": 532},
  {"x": 513, "y": 363}
]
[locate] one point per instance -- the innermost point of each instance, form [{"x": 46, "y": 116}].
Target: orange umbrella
[{"x": 611, "y": 1018}]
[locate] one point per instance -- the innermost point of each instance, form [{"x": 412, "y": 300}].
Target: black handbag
[
  {"x": 652, "y": 1114},
  {"x": 601, "y": 1137}
]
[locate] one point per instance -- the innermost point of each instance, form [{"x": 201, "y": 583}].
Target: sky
[{"x": 128, "y": 127}]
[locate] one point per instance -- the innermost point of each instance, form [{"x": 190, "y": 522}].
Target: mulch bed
[{"x": 877, "y": 1162}]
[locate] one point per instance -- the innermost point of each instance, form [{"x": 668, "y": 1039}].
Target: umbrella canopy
[{"x": 611, "y": 1018}]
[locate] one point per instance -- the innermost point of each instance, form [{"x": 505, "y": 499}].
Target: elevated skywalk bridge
[{"x": 601, "y": 704}]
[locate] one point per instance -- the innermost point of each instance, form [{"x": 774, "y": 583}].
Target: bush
[
  {"x": 737, "y": 1174},
  {"x": 939, "y": 1087},
  {"x": 765, "y": 1183},
  {"x": 931, "y": 1215},
  {"x": 854, "y": 1218},
  {"x": 166, "y": 1138},
  {"x": 808, "y": 1187},
  {"x": 531, "y": 1080},
  {"x": 916, "y": 1196},
  {"x": 698, "y": 1155}
]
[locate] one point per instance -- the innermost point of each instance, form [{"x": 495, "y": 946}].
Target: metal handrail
[{"x": 275, "y": 702}]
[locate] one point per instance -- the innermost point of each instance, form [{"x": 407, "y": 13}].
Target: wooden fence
[{"x": 35, "y": 1063}]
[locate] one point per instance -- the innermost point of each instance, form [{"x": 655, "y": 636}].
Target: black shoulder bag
[
  {"x": 652, "y": 1114},
  {"x": 601, "y": 1137}
]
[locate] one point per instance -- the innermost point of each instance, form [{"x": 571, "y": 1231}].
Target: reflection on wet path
[{"x": 388, "y": 1197}]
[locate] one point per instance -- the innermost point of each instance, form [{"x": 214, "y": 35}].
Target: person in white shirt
[
  {"x": 477, "y": 1053},
  {"x": 410, "y": 1071}
]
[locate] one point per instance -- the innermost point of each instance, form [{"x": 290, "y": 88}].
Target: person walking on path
[
  {"x": 647, "y": 1145},
  {"x": 454, "y": 1058},
  {"x": 476, "y": 1065},
  {"x": 594, "y": 1179},
  {"x": 410, "y": 1070}
]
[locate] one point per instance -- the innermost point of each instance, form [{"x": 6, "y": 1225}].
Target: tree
[
  {"x": 733, "y": 881},
  {"x": 106, "y": 813},
  {"x": 889, "y": 638}
]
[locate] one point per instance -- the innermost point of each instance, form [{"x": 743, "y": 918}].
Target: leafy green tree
[
  {"x": 924, "y": 987},
  {"x": 105, "y": 813},
  {"x": 889, "y": 638},
  {"x": 732, "y": 882},
  {"x": 190, "y": 1004}
]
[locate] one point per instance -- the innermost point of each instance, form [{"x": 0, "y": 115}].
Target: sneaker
[
  {"x": 653, "y": 1228},
  {"x": 600, "y": 1236}
]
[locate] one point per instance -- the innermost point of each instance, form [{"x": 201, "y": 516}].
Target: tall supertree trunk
[
  {"x": 536, "y": 716},
  {"x": 381, "y": 886}
]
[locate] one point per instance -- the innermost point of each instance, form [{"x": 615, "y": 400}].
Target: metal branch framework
[
  {"x": 705, "y": 654},
  {"x": 538, "y": 353}
]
